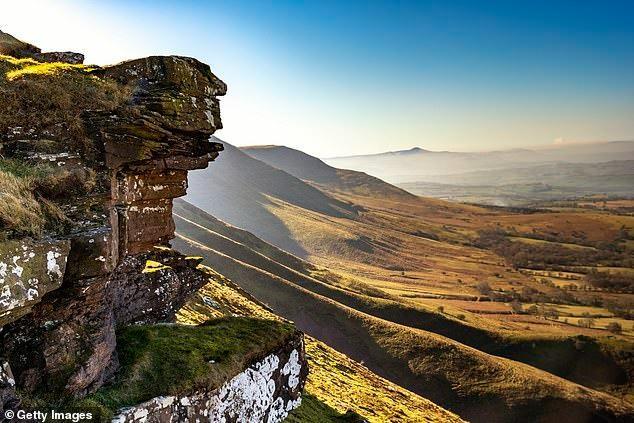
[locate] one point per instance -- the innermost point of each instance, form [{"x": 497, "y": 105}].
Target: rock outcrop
[
  {"x": 63, "y": 294},
  {"x": 264, "y": 392}
]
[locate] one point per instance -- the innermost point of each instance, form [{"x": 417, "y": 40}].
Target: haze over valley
[{"x": 517, "y": 177}]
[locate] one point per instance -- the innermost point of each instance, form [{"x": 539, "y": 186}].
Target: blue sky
[{"x": 337, "y": 78}]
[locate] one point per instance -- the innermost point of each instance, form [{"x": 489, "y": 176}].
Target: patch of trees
[
  {"x": 624, "y": 310},
  {"x": 611, "y": 281},
  {"x": 546, "y": 256}
]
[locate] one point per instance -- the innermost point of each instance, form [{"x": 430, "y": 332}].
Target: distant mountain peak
[{"x": 416, "y": 150}]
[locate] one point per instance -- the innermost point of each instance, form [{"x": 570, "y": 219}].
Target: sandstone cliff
[{"x": 90, "y": 161}]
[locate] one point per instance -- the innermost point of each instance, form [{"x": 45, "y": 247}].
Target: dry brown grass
[
  {"x": 411, "y": 304},
  {"x": 27, "y": 192},
  {"x": 45, "y": 101},
  {"x": 37, "y": 96},
  {"x": 19, "y": 210}
]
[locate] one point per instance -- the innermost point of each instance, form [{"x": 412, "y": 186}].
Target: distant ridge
[
  {"x": 413, "y": 150},
  {"x": 417, "y": 165}
]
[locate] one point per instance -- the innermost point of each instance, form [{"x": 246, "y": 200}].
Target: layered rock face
[
  {"x": 62, "y": 295},
  {"x": 151, "y": 144}
]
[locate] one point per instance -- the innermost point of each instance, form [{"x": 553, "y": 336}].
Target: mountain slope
[
  {"x": 309, "y": 168},
  {"x": 423, "y": 362},
  {"x": 243, "y": 190}
]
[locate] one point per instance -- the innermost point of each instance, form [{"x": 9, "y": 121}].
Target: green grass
[
  {"x": 313, "y": 410},
  {"x": 173, "y": 359},
  {"x": 177, "y": 359}
]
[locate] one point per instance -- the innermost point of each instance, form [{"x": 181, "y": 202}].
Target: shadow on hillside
[{"x": 239, "y": 189}]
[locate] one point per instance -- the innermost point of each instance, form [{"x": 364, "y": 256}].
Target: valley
[{"x": 533, "y": 305}]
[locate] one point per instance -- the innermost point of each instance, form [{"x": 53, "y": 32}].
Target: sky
[{"x": 336, "y": 78}]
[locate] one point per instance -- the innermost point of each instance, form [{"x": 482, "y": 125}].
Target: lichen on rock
[{"x": 28, "y": 270}]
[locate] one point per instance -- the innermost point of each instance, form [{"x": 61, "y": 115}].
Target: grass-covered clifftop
[
  {"x": 37, "y": 95},
  {"x": 46, "y": 99},
  {"x": 177, "y": 359},
  {"x": 174, "y": 359}
]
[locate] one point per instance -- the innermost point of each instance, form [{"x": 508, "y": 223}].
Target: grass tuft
[
  {"x": 42, "y": 69},
  {"x": 19, "y": 210},
  {"x": 26, "y": 190}
]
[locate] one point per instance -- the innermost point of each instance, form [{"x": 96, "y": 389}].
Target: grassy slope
[
  {"x": 242, "y": 191},
  {"x": 338, "y": 389},
  {"x": 475, "y": 384}
]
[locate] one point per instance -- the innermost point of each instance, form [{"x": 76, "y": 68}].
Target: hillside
[
  {"x": 309, "y": 168},
  {"x": 245, "y": 191},
  {"x": 531, "y": 295},
  {"x": 320, "y": 304}
]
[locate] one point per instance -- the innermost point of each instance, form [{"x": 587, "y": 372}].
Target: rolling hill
[
  {"x": 374, "y": 267},
  {"x": 243, "y": 191}
]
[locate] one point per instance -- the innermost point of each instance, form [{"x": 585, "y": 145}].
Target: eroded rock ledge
[{"x": 106, "y": 262}]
